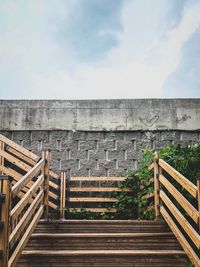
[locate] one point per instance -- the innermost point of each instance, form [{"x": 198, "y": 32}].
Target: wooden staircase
[
  {"x": 102, "y": 243},
  {"x": 29, "y": 191}
]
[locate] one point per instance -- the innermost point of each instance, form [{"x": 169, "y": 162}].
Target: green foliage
[
  {"x": 185, "y": 159},
  {"x": 140, "y": 182},
  {"x": 85, "y": 214}
]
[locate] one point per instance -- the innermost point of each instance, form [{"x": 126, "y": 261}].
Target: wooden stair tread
[
  {"x": 132, "y": 222},
  {"x": 62, "y": 235},
  {"x": 67, "y": 253}
]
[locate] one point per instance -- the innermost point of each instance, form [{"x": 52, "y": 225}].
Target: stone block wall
[
  {"x": 98, "y": 153},
  {"x": 99, "y": 137}
]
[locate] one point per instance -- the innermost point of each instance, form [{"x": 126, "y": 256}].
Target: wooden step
[
  {"x": 101, "y": 253},
  {"x": 96, "y": 235},
  {"x": 103, "y": 258},
  {"x": 100, "y": 226},
  {"x": 109, "y": 241}
]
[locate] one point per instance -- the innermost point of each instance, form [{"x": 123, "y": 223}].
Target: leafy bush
[{"x": 185, "y": 159}]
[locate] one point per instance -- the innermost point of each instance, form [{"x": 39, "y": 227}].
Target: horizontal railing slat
[
  {"x": 15, "y": 161},
  {"x": 98, "y": 189},
  {"x": 93, "y": 209},
  {"x": 8, "y": 171},
  {"x": 92, "y": 199},
  {"x": 189, "y": 186},
  {"x": 53, "y": 185},
  {"x": 185, "y": 204},
  {"x": 21, "y": 156},
  {"x": 27, "y": 177},
  {"x": 52, "y": 205},
  {"x": 120, "y": 179},
  {"x": 52, "y": 195},
  {"x": 53, "y": 174},
  {"x": 19, "y": 148}
]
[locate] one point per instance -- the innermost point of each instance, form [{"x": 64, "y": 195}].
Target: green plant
[{"x": 185, "y": 159}]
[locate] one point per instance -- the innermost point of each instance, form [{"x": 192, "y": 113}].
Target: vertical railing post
[
  {"x": 46, "y": 156},
  {"x": 62, "y": 195},
  {"x": 5, "y": 187},
  {"x": 198, "y": 201},
  {"x": 156, "y": 184},
  {"x": 2, "y": 145}
]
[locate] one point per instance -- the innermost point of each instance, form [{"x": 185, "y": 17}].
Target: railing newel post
[
  {"x": 198, "y": 201},
  {"x": 62, "y": 195},
  {"x": 156, "y": 184},
  {"x": 2, "y": 147},
  {"x": 46, "y": 156},
  {"x": 5, "y": 212}
]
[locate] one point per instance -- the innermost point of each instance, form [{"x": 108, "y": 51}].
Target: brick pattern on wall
[{"x": 98, "y": 153}]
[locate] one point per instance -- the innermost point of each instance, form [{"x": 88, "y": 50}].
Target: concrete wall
[{"x": 100, "y": 137}]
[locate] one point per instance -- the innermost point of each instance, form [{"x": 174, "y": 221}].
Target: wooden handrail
[
  {"x": 168, "y": 200},
  {"x": 28, "y": 177},
  {"x": 184, "y": 182},
  {"x": 26, "y": 199},
  {"x": 19, "y": 148}
]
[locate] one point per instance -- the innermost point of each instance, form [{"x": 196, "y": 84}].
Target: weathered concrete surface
[{"x": 100, "y": 115}]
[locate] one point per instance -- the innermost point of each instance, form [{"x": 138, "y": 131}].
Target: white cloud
[{"x": 137, "y": 68}]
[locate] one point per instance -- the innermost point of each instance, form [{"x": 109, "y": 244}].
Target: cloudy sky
[{"x": 91, "y": 49}]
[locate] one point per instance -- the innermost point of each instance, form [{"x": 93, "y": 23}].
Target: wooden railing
[
  {"x": 16, "y": 161},
  {"x": 99, "y": 204},
  {"x": 181, "y": 214},
  {"x": 27, "y": 191}
]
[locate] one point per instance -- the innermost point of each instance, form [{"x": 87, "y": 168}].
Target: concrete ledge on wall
[{"x": 100, "y": 115}]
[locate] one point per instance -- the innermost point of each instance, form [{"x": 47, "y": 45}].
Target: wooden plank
[
  {"x": 94, "y": 209},
  {"x": 99, "y": 235},
  {"x": 120, "y": 179},
  {"x": 15, "y": 161},
  {"x": 53, "y": 185},
  {"x": 98, "y": 189},
  {"x": 54, "y": 196},
  {"x": 24, "y": 201},
  {"x": 54, "y": 175},
  {"x": 20, "y": 247},
  {"x": 102, "y": 253},
  {"x": 190, "y": 231},
  {"x": 156, "y": 185},
  {"x": 184, "y": 182},
  {"x": 16, "y": 153},
  {"x": 19, "y": 148},
  {"x": 16, "y": 177},
  {"x": 8, "y": 171},
  {"x": 148, "y": 196},
  {"x": 2, "y": 147},
  {"x": 182, "y": 240},
  {"x": 27, "y": 177},
  {"x": 52, "y": 205},
  {"x": 45, "y": 172},
  {"x": 26, "y": 218},
  {"x": 151, "y": 166},
  {"x": 185, "y": 204},
  {"x": 4, "y": 216},
  {"x": 92, "y": 199},
  {"x": 63, "y": 195}
]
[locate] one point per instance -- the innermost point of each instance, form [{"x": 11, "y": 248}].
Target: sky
[{"x": 99, "y": 49}]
